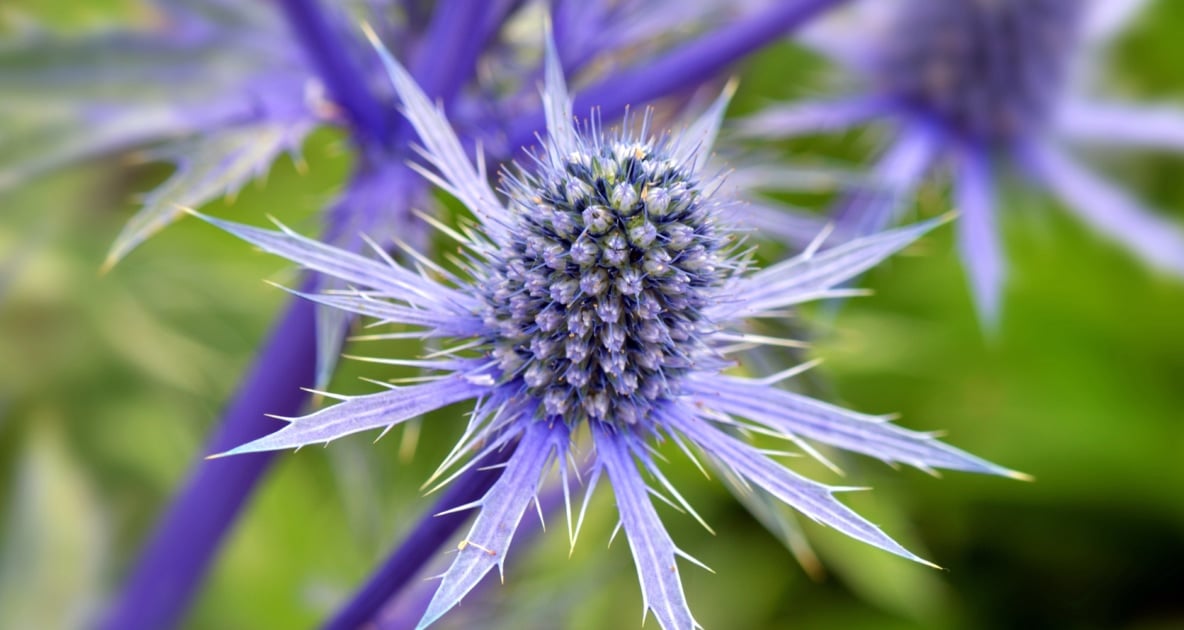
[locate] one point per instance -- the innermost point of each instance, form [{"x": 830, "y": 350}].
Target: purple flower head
[
  {"x": 598, "y": 298},
  {"x": 981, "y": 86},
  {"x": 598, "y": 295},
  {"x": 987, "y": 70}
]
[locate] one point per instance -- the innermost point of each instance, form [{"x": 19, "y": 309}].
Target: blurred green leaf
[{"x": 54, "y": 552}]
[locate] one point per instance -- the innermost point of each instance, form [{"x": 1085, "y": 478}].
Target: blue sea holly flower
[
  {"x": 981, "y": 86},
  {"x": 602, "y": 294}
]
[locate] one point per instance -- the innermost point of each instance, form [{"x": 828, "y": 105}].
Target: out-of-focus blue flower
[
  {"x": 218, "y": 88},
  {"x": 982, "y": 86},
  {"x": 603, "y": 294}
]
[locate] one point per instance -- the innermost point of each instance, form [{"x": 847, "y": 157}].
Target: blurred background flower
[
  {"x": 979, "y": 89},
  {"x": 109, "y": 386}
]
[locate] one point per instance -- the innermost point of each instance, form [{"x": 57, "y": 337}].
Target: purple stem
[
  {"x": 683, "y": 67},
  {"x": 455, "y": 38},
  {"x": 179, "y": 552},
  {"x": 341, "y": 74},
  {"x": 176, "y": 558},
  {"x": 421, "y": 544}
]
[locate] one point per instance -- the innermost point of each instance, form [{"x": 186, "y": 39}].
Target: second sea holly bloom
[
  {"x": 983, "y": 87},
  {"x": 602, "y": 295}
]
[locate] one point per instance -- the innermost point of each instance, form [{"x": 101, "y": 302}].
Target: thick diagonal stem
[
  {"x": 346, "y": 82},
  {"x": 177, "y": 556},
  {"x": 457, "y": 34}
]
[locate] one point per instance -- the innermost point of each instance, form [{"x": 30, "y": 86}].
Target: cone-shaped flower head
[
  {"x": 603, "y": 297},
  {"x": 598, "y": 302},
  {"x": 979, "y": 86}
]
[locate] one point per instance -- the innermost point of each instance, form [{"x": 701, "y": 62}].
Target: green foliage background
[{"x": 108, "y": 384}]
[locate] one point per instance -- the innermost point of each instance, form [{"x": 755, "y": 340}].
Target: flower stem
[
  {"x": 345, "y": 81},
  {"x": 455, "y": 38},
  {"x": 175, "y": 560},
  {"x": 177, "y": 556}
]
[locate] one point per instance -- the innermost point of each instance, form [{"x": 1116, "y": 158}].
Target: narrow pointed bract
[
  {"x": 488, "y": 541},
  {"x": 654, "y": 552},
  {"x": 604, "y": 292},
  {"x": 442, "y": 148},
  {"x": 208, "y": 167},
  {"x": 362, "y": 413},
  {"x": 1109, "y": 208},
  {"x": 795, "y": 415},
  {"x": 978, "y": 234},
  {"x": 811, "y": 498},
  {"x": 812, "y": 276}
]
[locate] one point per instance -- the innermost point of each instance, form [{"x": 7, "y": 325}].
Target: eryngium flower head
[
  {"x": 986, "y": 85},
  {"x": 987, "y": 69},
  {"x": 598, "y": 301},
  {"x": 601, "y": 297}
]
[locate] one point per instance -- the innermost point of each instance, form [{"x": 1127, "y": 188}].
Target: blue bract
[{"x": 603, "y": 298}]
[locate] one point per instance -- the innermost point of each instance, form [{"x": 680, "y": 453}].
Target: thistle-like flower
[
  {"x": 603, "y": 296},
  {"x": 986, "y": 85}
]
